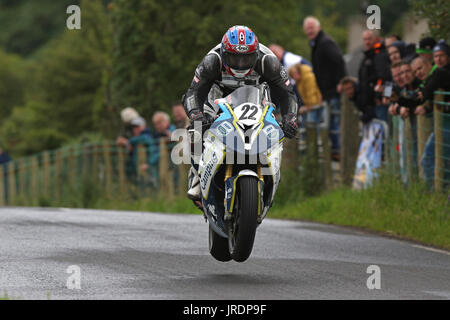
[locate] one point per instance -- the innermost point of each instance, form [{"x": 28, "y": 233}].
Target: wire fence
[
  {"x": 75, "y": 175},
  {"x": 420, "y": 146},
  {"x": 416, "y": 148}
]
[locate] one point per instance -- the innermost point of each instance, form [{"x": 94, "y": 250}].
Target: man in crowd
[
  {"x": 372, "y": 75},
  {"x": 127, "y": 115},
  {"x": 141, "y": 135},
  {"x": 425, "y": 48},
  {"x": 4, "y": 157},
  {"x": 432, "y": 78},
  {"x": 390, "y": 39},
  {"x": 441, "y": 53},
  {"x": 287, "y": 58},
  {"x": 162, "y": 125},
  {"x": 329, "y": 67},
  {"x": 180, "y": 117}
]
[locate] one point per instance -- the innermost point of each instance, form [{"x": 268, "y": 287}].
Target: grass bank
[{"x": 411, "y": 213}]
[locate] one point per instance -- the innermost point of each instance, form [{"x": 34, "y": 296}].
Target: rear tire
[
  {"x": 218, "y": 246},
  {"x": 243, "y": 227}
]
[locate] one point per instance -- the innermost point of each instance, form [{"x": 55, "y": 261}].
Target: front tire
[{"x": 242, "y": 229}]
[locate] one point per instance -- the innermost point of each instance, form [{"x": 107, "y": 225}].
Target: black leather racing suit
[{"x": 267, "y": 69}]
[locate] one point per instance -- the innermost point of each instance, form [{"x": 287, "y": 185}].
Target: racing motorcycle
[{"x": 239, "y": 170}]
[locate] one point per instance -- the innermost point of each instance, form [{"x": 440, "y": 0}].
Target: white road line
[{"x": 432, "y": 249}]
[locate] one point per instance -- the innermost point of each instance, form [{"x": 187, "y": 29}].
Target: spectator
[
  {"x": 399, "y": 50},
  {"x": 287, "y": 58},
  {"x": 329, "y": 67},
  {"x": 127, "y": 115},
  {"x": 433, "y": 78},
  {"x": 425, "y": 48},
  {"x": 349, "y": 86},
  {"x": 162, "y": 125},
  {"x": 396, "y": 51},
  {"x": 163, "y": 130},
  {"x": 389, "y": 39},
  {"x": 307, "y": 87},
  {"x": 141, "y": 135},
  {"x": 4, "y": 157},
  {"x": 411, "y": 84},
  {"x": 180, "y": 117},
  {"x": 441, "y": 53},
  {"x": 373, "y": 73}
]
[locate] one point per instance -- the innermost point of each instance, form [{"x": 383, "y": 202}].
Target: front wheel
[{"x": 242, "y": 228}]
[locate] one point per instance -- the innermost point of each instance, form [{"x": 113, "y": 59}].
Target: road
[{"x": 140, "y": 255}]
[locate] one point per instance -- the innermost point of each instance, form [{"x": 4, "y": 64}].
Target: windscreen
[{"x": 244, "y": 94}]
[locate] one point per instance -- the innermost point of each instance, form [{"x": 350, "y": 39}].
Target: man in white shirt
[{"x": 287, "y": 58}]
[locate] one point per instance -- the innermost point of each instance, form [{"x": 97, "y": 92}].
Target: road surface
[{"x": 140, "y": 255}]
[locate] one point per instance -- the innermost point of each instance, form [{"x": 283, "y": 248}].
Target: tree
[
  {"x": 70, "y": 87},
  {"x": 437, "y": 14},
  {"x": 158, "y": 44},
  {"x": 12, "y": 83}
]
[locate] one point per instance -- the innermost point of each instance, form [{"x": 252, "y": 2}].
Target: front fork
[{"x": 230, "y": 189}]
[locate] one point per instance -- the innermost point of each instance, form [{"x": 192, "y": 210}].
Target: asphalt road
[{"x": 139, "y": 255}]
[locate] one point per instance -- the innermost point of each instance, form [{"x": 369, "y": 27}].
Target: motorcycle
[{"x": 239, "y": 170}]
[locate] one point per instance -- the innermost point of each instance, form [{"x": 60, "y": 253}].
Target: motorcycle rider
[{"x": 238, "y": 60}]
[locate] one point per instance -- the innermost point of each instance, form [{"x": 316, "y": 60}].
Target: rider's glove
[
  {"x": 290, "y": 125},
  {"x": 196, "y": 115}
]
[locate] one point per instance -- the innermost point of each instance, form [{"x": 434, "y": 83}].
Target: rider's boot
[{"x": 194, "y": 192}]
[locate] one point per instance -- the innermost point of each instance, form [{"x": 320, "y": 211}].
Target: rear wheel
[
  {"x": 218, "y": 246},
  {"x": 242, "y": 228}
]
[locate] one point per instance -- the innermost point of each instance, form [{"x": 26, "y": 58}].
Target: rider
[{"x": 238, "y": 60}]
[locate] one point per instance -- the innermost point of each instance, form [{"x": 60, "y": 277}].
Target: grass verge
[{"x": 411, "y": 213}]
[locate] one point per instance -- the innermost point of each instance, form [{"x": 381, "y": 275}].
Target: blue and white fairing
[{"x": 247, "y": 131}]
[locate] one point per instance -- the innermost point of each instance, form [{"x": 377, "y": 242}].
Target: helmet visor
[{"x": 240, "y": 61}]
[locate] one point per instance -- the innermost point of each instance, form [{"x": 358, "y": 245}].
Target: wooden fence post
[
  {"x": 121, "y": 170},
  {"x": 108, "y": 170},
  {"x": 395, "y": 142},
  {"x": 22, "y": 173},
  {"x": 46, "y": 173},
  {"x": 410, "y": 141},
  {"x": 349, "y": 140},
  {"x": 57, "y": 174},
  {"x": 439, "y": 166},
  {"x": 326, "y": 155},
  {"x": 94, "y": 175},
  {"x": 12, "y": 183},
  {"x": 2, "y": 187},
  {"x": 424, "y": 129},
  {"x": 164, "y": 183},
  {"x": 34, "y": 192}
]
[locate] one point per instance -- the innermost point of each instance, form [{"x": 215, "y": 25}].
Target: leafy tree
[
  {"x": 12, "y": 83},
  {"x": 70, "y": 90},
  {"x": 437, "y": 12},
  {"x": 27, "y": 25},
  {"x": 158, "y": 44}
]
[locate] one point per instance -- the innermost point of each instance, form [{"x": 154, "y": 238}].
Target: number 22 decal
[{"x": 246, "y": 109}]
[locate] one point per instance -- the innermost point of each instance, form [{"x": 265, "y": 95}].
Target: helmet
[{"x": 239, "y": 50}]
